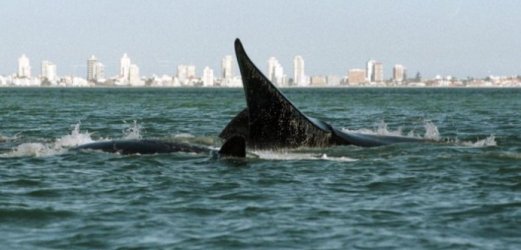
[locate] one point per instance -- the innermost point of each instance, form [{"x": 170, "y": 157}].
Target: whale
[
  {"x": 233, "y": 147},
  {"x": 271, "y": 121}
]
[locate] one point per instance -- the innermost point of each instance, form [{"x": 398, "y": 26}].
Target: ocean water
[{"x": 462, "y": 191}]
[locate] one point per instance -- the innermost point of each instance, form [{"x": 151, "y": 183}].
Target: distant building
[
  {"x": 398, "y": 73},
  {"x": 227, "y": 67},
  {"x": 276, "y": 72},
  {"x": 24, "y": 67},
  {"x": 49, "y": 72},
  {"x": 133, "y": 76},
  {"x": 90, "y": 68},
  {"x": 185, "y": 74},
  {"x": 369, "y": 70},
  {"x": 124, "y": 68},
  {"x": 374, "y": 71},
  {"x": 299, "y": 76},
  {"x": 208, "y": 77},
  {"x": 356, "y": 77},
  {"x": 333, "y": 80},
  {"x": 95, "y": 70},
  {"x": 318, "y": 81},
  {"x": 378, "y": 72}
]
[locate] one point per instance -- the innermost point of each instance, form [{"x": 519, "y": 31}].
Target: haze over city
[{"x": 458, "y": 38}]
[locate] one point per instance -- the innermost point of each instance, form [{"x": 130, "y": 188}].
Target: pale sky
[{"x": 447, "y": 37}]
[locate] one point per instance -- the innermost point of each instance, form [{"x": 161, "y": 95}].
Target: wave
[
  {"x": 487, "y": 142},
  {"x": 5, "y": 138},
  {"x": 431, "y": 133},
  {"x": 291, "y": 156},
  {"x": 382, "y": 128}
]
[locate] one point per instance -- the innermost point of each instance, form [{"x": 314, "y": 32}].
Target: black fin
[
  {"x": 273, "y": 121},
  {"x": 238, "y": 126},
  {"x": 233, "y": 147}
]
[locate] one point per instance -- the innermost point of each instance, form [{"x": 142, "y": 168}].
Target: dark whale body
[{"x": 234, "y": 147}]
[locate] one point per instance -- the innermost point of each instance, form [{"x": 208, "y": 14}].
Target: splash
[
  {"x": 431, "y": 131},
  {"x": 59, "y": 146},
  {"x": 133, "y": 132},
  {"x": 75, "y": 138}
]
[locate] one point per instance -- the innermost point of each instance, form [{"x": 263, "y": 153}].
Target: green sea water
[{"x": 462, "y": 191}]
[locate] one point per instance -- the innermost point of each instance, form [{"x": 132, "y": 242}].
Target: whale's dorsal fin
[{"x": 273, "y": 121}]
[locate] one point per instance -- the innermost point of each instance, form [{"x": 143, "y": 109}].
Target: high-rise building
[
  {"x": 299, "y": 76},
  {"x": 91, "y": 62},
  {"x": 356, "y": 76},
  {"x": 227, "y": 68},
  {"x": 276, "y": 72},
  {"x": 99, "y": 71},
  {"x": 185, "y": 73},
  {"x": 398, "y": 73},
  {"x": 24, "y": 67},
  {"x": 378, "y": 72},
  {"x": 49, "y": 71},
  {"x": 125, "y": 63},
  {"x": 133, "y": 76},
  {"x": 369, "y": 70},
  {"x": 208, "y": 77}
]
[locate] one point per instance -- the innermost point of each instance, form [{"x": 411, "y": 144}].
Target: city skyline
[
  {"x": 458, "y": 37},
  {"x": 187, "y": 76}
]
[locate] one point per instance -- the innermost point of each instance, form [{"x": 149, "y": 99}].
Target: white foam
[
  {"x": 287, "y": 156},
  {"x": 31, "y": 149},
  {"x": 382, "y": 128},
  {"x": 59, "y": 146},
  {"x": 4, "y": 138},
  {"x": 184, "y": 135},
  {"x": 487, "y": 142}
]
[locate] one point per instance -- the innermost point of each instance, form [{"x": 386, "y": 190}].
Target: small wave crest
[
  {"x": 5, "y": 138},
  {"x": 287, "y": 156},
  {"x": 382, "y": 128},
  {"x": 487, "y": 142}
]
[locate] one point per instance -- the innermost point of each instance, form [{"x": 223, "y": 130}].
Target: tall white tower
[
  {"x": 91, "y": 62},
  {"x": 227, "y": 67},
  {"x": 49, "y": 71},
  {"x": 370, "y": 71},
  {"x": 276, "y": 72},
  {"x": 125, "y": 63},
  {"x": 299, "y": 76},
  {"x": 208, "y": 77},
  {"x": 24, "y": 67},
  {"x": 99, "y": 71},
  {"x": 398, "y": 73},
  {"x": 133, "y": 75}
]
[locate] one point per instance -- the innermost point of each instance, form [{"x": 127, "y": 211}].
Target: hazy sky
[{"x": 447, "y": 37}]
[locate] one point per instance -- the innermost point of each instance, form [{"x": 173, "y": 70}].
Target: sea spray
[
  {"x": 133, "y": 132},
  {"x": 59, "y": 146}
]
